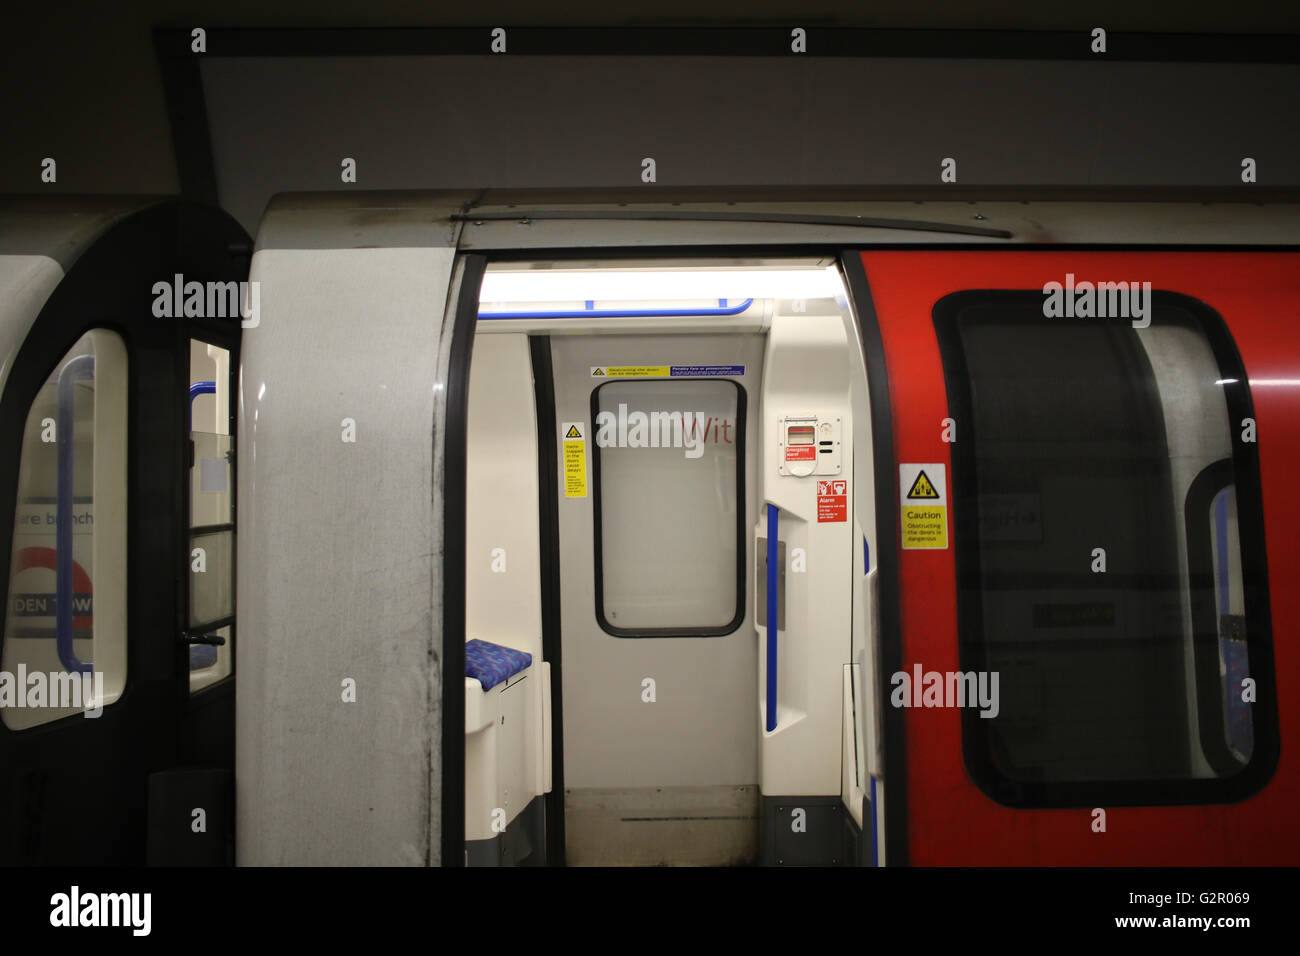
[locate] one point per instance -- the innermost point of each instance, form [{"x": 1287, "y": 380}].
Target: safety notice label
[
  {"x": 575, "y": 459},
  {"x": 665, "y": 371},
  {"x": 924, "y": 506},
  {"x": 833, "y": 500}
]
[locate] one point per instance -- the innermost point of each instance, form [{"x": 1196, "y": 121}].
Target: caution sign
[
  {"x": 833, "y": 500},
  {"x": 575, "y": 459},
  {"x": 666, "y": 371},
  {"x": 923, "y": 510},
  {"x": 631, "y": 371},
  {"x": 922, "y": 487}
]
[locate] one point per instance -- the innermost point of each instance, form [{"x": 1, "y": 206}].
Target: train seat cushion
[{"x": 490, "y": 664}]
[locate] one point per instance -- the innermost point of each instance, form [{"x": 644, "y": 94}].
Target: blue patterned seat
[{"x": 490, "y": 664}]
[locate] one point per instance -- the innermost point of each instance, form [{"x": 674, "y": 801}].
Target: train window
[
  {"x": 212, "y": 517},
  {"x": 1107, "y": 515},
  {"x": 66, "y": 598},
  {"x": 1218, "y": 617},
  {"x": 668, "y": 507}
]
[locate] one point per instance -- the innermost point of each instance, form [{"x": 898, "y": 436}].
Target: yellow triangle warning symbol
[
  {"x": 922, "y": 488},
  {"x": 598, "y": 372},
  {"x": 573, "y": 432}
]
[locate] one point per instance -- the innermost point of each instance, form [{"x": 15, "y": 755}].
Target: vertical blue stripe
[
  {"x": 866, "y": 556},
  {"x": 772, "y": 549},
  {"x": 79, "y": 368}
]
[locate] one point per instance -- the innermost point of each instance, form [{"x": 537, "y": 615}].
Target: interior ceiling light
[{"x": 668, "y": 285}]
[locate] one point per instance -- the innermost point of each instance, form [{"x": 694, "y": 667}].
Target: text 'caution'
[{"x": 923, "y": 509}]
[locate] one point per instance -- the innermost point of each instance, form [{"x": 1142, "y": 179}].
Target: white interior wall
[
  {"x": 503, "y": 606},
  {"x": 506, "y": 757},
  {"x": 806, "y": 372}
]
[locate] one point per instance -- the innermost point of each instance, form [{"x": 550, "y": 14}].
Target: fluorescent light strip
[{"x": 666, "y": 285}]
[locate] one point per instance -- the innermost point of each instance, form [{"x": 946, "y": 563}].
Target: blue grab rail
[
  {"x": 197, "y": 389},
  {"x": 590, "y": 312},
  {"x": 772, "y": 557},
  {"x": 79, "y": 368}
]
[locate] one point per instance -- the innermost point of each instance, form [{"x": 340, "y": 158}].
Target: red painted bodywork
[{"x": 949, "y": 819}]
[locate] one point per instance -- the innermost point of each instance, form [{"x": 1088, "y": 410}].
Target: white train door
[{"x": 660, "y": 670}]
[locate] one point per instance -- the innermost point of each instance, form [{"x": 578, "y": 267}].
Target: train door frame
[
  {"x": 127, "y": 761},
  {"x": 888, "y": 621},
  {"x": 461, "y": 316}
]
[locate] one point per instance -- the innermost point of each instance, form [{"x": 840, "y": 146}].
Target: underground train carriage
[
  {"x": 635, "y": 429},
  {"x": 1104, "y": 534}
]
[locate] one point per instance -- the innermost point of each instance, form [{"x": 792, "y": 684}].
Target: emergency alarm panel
[{"x": 808, "y": 445}]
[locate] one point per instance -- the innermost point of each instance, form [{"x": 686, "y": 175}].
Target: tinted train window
[
  {"x": 667, "y": 466},
  {"x": 1109, "y": 550},
  {"x": 65, "y": 629}
]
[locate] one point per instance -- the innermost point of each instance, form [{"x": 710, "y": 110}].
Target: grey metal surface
[
  {"x": 662, "y": 826},
  {"x": 806, "y": 831},
  {"x": 522, "y": 844},
  {"x": 338, "y": 544},
  {"x": 283, "y": 123}
]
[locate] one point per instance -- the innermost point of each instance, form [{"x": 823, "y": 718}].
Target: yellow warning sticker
[
  {"x": 631, "y": 371},
  {"x": 575, "y": 459},
  {"x": 667, "y": 371},
  {"x": 923, "y": 510}
]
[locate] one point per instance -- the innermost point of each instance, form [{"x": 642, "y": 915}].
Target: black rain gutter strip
[{"x": 657, "y": 215}]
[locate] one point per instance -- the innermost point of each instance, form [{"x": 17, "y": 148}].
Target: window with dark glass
[{"x": 1109, "y": 551}]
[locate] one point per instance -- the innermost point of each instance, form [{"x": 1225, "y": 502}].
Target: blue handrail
[
  {"x": 772, "y": 558},
  {"x": 81, "y": 367},
  {"x": 197, "y": 389},
  {"x": 591, "y": 312}
]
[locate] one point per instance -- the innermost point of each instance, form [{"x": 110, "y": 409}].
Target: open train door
[
  {"x": 117, "y": 532},
  {"x": 1080, "y": 667}
]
